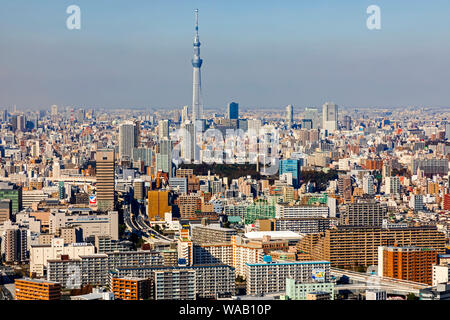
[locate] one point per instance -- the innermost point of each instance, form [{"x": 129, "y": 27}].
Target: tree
[{"x": 411, "y": 296}]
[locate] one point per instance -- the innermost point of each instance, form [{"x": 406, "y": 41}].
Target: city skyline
[{"x": 115, "y": 61}]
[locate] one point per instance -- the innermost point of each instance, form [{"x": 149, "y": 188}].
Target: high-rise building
[
  {"x": 313, "y": 115},
  {"x": 54, "y": 110},
  {"x": 363, "y": 213},
  {"x": 139, "y": 190},
  {"x": 292, "y": 166},
  {"x": 12, "y": 192},
  {"x": 164, "y": 157},
  {"x": 392, "y": 185},
  {"x": 407, "y": 263},
  {"x": 347, "y": 123},
  {"x": 289, "y": 116},
  {"x": 368, "y": 184},
  {"x": 127, "y": 140},
  {"x": 158, "y": 204},
  {"x": 163, "y": 129},
  {"x": 330, "y": 117},
  {"x": 105, "y": 176},
  {"x": 197, "y": 105},
  {"x": 15, "y": 244},
  {"x": 233, "y": 110}
]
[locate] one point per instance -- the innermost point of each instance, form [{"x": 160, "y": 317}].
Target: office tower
[
  {"x": 37, "y": 289},
  {"x": 61, "y": 190},
  {"x": 18, "y": 122},
  {"x": 289, "y": 116},
  {"x": 392, "y": 185},
  {"x": 363, "y": 213},
  {"x": 416, "y": 202},
  {"x": 143, "y": 154},
  {"x": 35, "y": 149},
  {"x": 139, "y": 190},
  {"x": 105, "y": 175},
  {"x": 164, "y": 157},
  {"x": 5, "y": 210},
  {"x": 189, "y": 145},
  {"x": 233, "y": 110},
  {"x": 185, "y": 114},
  {"x": 163, "y": 129},
  {"x": 347, "y": 123},
  {"x": 407, "y": 263},
  {"x": 368, "y": 184},
  {"x": 349, "y": 246},
  {"x": 158, "y": 204},
  {"x": 345, "y": 186},
  {"x": 12, "y": 192},
  {"x": 197, "y": 105},
  {"x": 292, "y": 166},
  {"x": 254, "y": 125},
  {"x": 447, "y": 131},
  {"x": 127, "y": 139},
  {"x": 329, "y": 117},
  {"x": 313, "y": 115},
  {"x": 54, "y": 110},
  {"x": 16, "y": 244},
  {"x": 5, "y": 115}
]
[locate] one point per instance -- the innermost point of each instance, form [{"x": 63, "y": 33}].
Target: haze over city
[{"x": 264, "y": 54}]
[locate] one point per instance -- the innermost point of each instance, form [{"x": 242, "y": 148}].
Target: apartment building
[
  {"x": 40, "y": 254},
  {"x": 210, "y": 280},
  {"x": 213, "y": 253},
  {"x": 407, "y": 263},
  {"x": 36, "y": 289},
  {"x": 212, "y": 233},
  {"x": 270, "y": 277},
  {"x": 131, "y": 288},
  {"x": 347, "y": 247},
  {"x": 284, "y": 211}
]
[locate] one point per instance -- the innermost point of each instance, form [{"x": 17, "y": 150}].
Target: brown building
[
  {"x": 349, "y": 247},
  {"x": 36, "y": 289},
  {"x": 105, "y": 176},
  {"x": 407, "y": 263},
  {"x": 130, "y": 288},
  {"x": 158, "y": 204},
  {"x": 5, "y": 210}
]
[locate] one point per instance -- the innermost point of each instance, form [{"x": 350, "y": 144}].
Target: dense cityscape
[{"x": 231, "y": 203}]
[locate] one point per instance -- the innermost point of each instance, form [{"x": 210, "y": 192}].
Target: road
[
  {"x": 137, "y": 224},
  {"x": 388, "y": 284}
]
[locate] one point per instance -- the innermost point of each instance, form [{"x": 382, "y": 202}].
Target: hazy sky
[{"x": 256, "y": 52}]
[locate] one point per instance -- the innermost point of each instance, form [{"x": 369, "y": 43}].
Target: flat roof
[
  {"x": 287, "y": 263},
  {"x": 273, "y": 234}
]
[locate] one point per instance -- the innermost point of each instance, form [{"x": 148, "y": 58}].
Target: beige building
[{"x": 40, "y": 254}]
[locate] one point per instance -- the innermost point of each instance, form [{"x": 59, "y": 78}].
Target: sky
[{"x": 265, "y": 54}]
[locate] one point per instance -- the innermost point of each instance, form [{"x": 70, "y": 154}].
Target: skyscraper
[
  {"x": 197, "y": 106},
  {"x": 330, "y": 116},
  {"x": 312, "y": 114},
  {"x": 233, "y": 110},
  {"x": 289, "y": 115},
  {"x": 164, "y": 157},
  {"x": 105, "y": 179},
  {"x": 163, "y": 128},
  {"x": 127, "y": 139}
]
